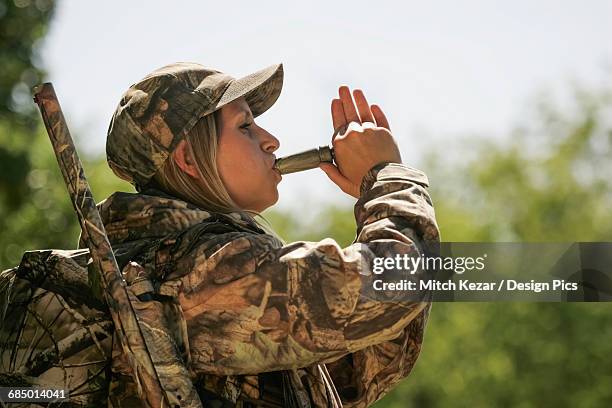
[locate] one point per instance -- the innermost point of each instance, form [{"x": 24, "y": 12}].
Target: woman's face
[{"x": 245, "y": 158}]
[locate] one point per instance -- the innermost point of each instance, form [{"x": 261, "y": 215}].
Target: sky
[{"x": 439, "y": 69}]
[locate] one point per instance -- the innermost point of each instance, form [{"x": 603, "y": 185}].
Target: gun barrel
[
  {"x": 305, "y": 160},
  {"x": 132, "y": 339}
]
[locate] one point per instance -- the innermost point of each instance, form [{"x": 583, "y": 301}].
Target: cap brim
[{"x": 260, "y": 89}]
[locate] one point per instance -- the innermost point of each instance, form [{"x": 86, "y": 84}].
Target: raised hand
[{"x": 362, "y": 139}]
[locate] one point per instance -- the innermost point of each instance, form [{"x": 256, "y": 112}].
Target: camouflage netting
[{"x": 46, "y": 300}]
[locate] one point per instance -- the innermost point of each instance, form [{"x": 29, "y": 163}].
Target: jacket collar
[{"x": 153, "y": 214}]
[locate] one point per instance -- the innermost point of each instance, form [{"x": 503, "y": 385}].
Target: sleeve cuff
[{"x": 391, "y": 171}]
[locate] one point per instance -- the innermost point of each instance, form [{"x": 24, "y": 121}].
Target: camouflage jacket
[{"x": 251, "y": 305}]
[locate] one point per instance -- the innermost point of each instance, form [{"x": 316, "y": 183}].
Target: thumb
[{"x": 338, "y": 178}]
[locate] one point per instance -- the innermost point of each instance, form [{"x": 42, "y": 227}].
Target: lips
[
  {"x": 275, "y": 170},
  {"x": 280, "y": 176}
]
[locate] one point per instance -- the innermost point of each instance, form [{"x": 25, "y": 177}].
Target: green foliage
[
  {"x": 22, "y": 24},
  {"x": 35, "y": 211},
  {"x": 549, "y": 182},
  {"x": 331, "y": 221}
]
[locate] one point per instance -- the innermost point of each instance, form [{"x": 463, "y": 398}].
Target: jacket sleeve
[
  {"x": 254, "y": 305},
  {"x": 365, "y": 376}
]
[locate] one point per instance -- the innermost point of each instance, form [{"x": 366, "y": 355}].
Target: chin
[{"x": 273, "y": 197}]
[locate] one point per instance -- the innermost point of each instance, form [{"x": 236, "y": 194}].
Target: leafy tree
[
  {"x": 35, "y": 211},
  {"x": 22, "y": 25},
  {"x": 549, "y": 182}
]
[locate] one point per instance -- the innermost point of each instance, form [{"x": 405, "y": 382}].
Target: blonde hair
[{"x": 210, "y": 193}]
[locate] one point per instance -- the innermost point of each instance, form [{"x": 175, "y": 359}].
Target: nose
[{"x": 269, "y": 143}]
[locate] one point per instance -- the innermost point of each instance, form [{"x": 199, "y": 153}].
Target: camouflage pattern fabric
[
  {"x": 54, "y": 332},
  {"x": 159, "y": 111},
  {"x": 246, "y": 307}
]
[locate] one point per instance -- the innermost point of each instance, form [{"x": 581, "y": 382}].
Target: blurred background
[{"x": 507, "y": 107}]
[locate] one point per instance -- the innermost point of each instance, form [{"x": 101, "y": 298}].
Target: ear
[{"x": 184, "y": 159}]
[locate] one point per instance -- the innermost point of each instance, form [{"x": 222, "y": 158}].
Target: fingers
[
  {"x": 345, "y": 111},
  {"x": 379, "y": 115},
  {"x": 338, "y": 118},
  {"x": 362, "y": 106},
  {"x": 347, "y": 103}
]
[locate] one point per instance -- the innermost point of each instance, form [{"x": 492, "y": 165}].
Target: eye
[{"x": 246, "y": 125}]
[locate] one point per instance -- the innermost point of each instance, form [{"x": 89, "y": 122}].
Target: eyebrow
[{"x": 244, "y": 115}]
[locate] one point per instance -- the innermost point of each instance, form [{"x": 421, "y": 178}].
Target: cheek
[
  {"x": 240, "y": 164},
  {"x": 235, "y": 162}
]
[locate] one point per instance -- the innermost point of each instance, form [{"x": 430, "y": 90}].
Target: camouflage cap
[{"x": 160, "y": 110}]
